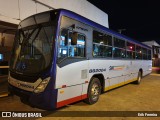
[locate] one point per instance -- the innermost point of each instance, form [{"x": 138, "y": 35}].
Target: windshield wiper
[{"x": 36, "y": 35}]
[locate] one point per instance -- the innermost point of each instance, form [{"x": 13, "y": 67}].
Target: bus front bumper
[{"x": 45, "y": 100}]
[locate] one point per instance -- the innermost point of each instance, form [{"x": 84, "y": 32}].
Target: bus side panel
[
  {"x": 147, "y": 67},
  {"x": 69, "y": 95},
  {"x": 132, "y": 68},
  {"x": 128, "y": 72},
  {"x": 112, "y": 71},
  {"x": 117, "y": 72},
  {"x": 70, "y": 81}
]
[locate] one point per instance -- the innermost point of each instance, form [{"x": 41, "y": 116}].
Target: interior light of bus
[
  {"x": 101, "y": 42},
  {"x": 64, "y": 52},
  {"x": 1, "y": 57}
]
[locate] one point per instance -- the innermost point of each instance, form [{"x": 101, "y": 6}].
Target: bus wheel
[
  {"x": 94, "y": 91},
  {"x": 139, "y": 77}
]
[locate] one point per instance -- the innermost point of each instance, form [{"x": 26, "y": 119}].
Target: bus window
[
  {"x": 102, "y": 45},
  {"x": 103, "y": 39},
  {"x": 98, "y": 37},
  {"x": 63, "y": 46},
  {"x": 144, "y": 51},
  {"x": 119, "y": 43},
  {"x": 149, "y": 55},
  {"x": 67, "y": 48},
  {"x": 101, "y": 51},
  {"x": 130, "y": 46},
  {"x": 130, "y": 55},
  {"x": 119, "y": 53},
  {"x": 145, "y": 57},
  {"x": 77, "y": 50},
  {"x": 138, "y": 55},
  {"x": 138, "y": 52},
  {"x": 149, "y": 52},
  {"x": 107, "y": 40},
  {"x": 138, "y": 49}
]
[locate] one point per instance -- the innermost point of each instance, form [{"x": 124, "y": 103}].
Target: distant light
[
  {"x": 1, "y": 57},
  {"x": 140, "y": 51},
  {"x": 131, "y": 47}
]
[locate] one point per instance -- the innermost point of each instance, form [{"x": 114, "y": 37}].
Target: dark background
[{"x": 140, "y": 18}]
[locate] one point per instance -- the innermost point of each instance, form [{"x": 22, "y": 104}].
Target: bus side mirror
[{"x": 74, "y": 38}]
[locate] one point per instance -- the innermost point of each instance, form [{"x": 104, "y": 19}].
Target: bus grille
[{"x": 24, "y": 78}]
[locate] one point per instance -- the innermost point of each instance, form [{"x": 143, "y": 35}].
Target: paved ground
[
  {"x": 131, "y": 97},
  {"x": 3, "y": 85}
]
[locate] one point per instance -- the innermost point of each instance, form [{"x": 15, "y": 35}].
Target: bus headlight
[{"x": 41, "y": 87}]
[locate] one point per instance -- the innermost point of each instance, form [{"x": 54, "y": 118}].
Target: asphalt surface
[
  {"x": 131, "y": 97},
  {"x": 3, "y": 85}
]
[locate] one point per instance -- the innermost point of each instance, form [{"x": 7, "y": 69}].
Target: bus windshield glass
[{"x": 33, "y": 45}]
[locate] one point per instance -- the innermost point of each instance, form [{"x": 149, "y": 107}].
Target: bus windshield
[{"x": 33, "y": 45}]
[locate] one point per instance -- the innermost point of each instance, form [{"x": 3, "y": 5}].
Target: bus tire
[
  {"x": 94, "y": 91},
  {"x": 139, "y": 77}
]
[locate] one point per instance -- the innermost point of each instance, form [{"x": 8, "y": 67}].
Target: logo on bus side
[
  {"x": 117, "y": 67},
  {"x": 97, "y": 70},
  {"x": 80, "y": 28}
]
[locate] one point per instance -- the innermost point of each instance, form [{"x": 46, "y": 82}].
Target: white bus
[{"x": 60, "y": 57}]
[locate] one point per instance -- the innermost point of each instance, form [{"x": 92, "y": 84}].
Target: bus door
[
  {"x": 72, "y": 66},
  {"x": 130, "y": 68}
]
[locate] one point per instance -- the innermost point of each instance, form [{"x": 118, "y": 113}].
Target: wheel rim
[{"x": 95, "y": 91}]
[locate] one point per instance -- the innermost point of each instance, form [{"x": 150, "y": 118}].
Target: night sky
[{"x": 140, "y": 18}]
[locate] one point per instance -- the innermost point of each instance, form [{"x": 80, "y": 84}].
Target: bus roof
[{"x": 96, "y": 25}]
